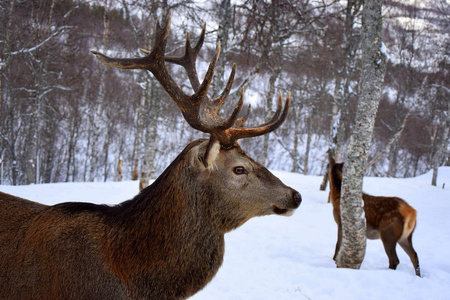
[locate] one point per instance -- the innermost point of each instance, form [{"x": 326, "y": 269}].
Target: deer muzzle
[{"x": 289, "y": 209}]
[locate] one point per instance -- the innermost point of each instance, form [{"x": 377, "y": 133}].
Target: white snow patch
[{"x": 291, "y": 258}]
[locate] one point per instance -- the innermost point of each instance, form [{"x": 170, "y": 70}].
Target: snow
[{"x": 291, "y": 257}]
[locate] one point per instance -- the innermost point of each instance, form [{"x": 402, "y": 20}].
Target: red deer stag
[
  {"x": 168, "y": 241},
  {"x": 388, "y": 218}
]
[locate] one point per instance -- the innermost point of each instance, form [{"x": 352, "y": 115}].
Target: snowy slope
[{"x": 291, "y": 258}]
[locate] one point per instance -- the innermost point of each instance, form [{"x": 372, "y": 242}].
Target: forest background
[{"x": 65, "y": 117}]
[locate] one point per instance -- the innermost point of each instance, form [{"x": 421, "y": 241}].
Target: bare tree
[
  {"x": 265, "y": 39},
  {"x": 146, "y": 136},
  {"x": 343, "y": 82},
  {"x": 441, "y": 136},
  {"x": 344, "y": 78},
  {"x": 311, "y": 44},
  {"x": 352, "y": 250},
  {"x": 22, "y": 124},
  {"x": 96, "y": 113}
]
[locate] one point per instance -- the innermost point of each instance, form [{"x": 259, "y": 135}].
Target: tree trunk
[
  {"x": 295, "y": 155},
  {"x": 97, "y": 124},
  {"x": 341, "y": 103},
  {"x": 14, "y": 169},
  {"x": 343, "y": 91},
  {"x": 71, "y": 147},
  {"x": 441, "y": 146},
  {"x": 151, "y": 135},
  {"x": 269, "y": 102},
  {"x": 308, "y": 145},
  {"x": 224, "y": 17},
  {"x": 139, "y": 130},
  {"x": 31, "y": 150},
  {"x": 139, "y": 119},
  {"x": 393, "y": 154},
  {"x": 393, "y": 142},
  {"x": 353, "y": 245},
  {"x": 106, "y": 146},
  {"x": 119, "y": 171},
  {"x": 47, "y": 176}
]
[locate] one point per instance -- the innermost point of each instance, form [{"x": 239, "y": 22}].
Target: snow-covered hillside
[{"x": 291, "y": 258}]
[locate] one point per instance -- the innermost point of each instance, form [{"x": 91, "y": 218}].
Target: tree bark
[
  {"x": 269, "y": 102},
  {"x": 224, "y": 16},
  {"x": 151, "y": 135},
  {"x": 97, "y": 124},
  {"x": 439, "y": 152},
  {"x": 441, "y": 147},
  {"x": 353, "y": 245},
  {"x": 340, "y": 106},
  {"x": 343, "y": 90},
  {"x": 139, "y": 130},
  {"x": 308, "y": 146}
]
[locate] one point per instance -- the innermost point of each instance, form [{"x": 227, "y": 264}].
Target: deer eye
[{"x": 240, "y": 170}]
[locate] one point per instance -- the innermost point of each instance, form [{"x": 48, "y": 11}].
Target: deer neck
[
  {"x": 163, "y": 237},
  {"x": 335, "y": 189}
]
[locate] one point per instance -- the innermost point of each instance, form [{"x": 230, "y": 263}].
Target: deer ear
[
  {"x": 211, "y": 152},
  {"x": 331, "y": 158}
]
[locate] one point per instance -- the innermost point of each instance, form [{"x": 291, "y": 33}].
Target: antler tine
[
  {"x": 148, "y": 62},
  {"x": 225, "y": 130},
  {"x": 206, "y": 83},
  {"x": 213, "y": 106},
  {"x": 155, "y": 63},
  {"x": 187, "y": 61},
  {"x": 279, "y": 117},
  {"x": 217, "y": 102},
  {"x": 240, "y": 122},
  {"x": 277, "y": 112},
  {"x": 232, "y": 119}
]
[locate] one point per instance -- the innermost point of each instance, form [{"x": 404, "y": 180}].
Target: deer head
[
  {"x": 168, "y": 241},
  {"x": 219, "y": 162}
]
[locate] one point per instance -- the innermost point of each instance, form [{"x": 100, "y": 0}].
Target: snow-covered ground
[{"x": 291, "y": 258}]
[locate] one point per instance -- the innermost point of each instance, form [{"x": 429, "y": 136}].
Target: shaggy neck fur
[{"x": 169, "y": 249}]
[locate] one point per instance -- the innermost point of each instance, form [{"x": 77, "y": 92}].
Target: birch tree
[
  {"x": 146, "y": 136},
  {"x": 266, "y": 39},
  {"x": 147, "y": 112},
  {"x": 30, "y": 54},
  {"x": 353, "y": 246},
  {"x": 344, "y": 78},
  {"x": 224, "y": 17},
  {"x": 439, "y": 111},
  {"x": 343, "y": 84},
  {"x": 407, "y": 80},
  {"x": 441, "y": 136},
  {"x": 96, "y": 112}
]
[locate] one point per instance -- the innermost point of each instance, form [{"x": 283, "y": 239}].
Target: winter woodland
[{"x": 65, "y": 117}]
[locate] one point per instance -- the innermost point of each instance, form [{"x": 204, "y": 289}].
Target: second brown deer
[
  {"x": 389, "y": 218},
  {"x": 168, "y": 241}
]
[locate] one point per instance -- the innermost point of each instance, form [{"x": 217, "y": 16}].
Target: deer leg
[
  {"x": 389, "y": 239},
  {"x": 338, "y": 243},
  {"x": 406, "y": 244}
]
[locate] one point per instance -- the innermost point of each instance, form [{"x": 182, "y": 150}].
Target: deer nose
[{"x": 297, "y": 198}]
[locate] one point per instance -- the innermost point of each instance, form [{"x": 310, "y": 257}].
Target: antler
[{"x": 226, "y": 130}]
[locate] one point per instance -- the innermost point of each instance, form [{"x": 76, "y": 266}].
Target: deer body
[
  {"x": 166, "y": 243},
  {"x": 390, "y": 219}
]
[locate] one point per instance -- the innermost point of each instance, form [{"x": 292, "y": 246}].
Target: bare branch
[{"x": 56, "y": 33}]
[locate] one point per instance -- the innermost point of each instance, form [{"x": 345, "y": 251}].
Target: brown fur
[
  {"x": 166, "y": 243},
  {"x": 120, "y": 167},
  {"x": 388, "y": 218},
  {"x": 135, "y": 174}
]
